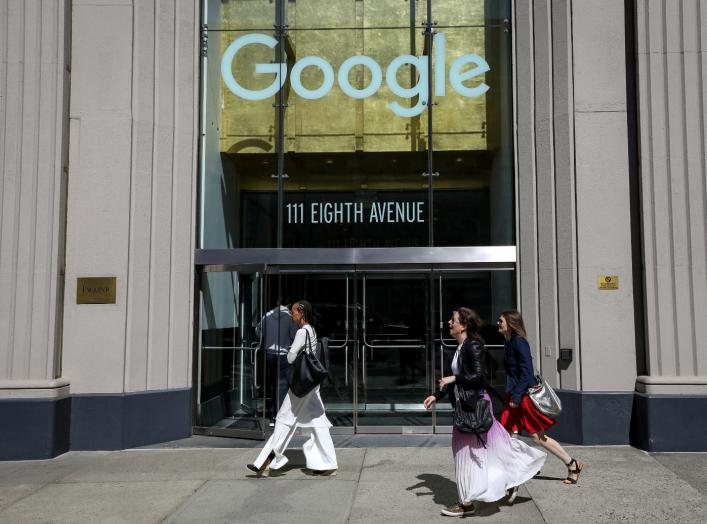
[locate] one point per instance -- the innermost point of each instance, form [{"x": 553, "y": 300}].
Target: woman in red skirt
[{"x": 519, "y": 413}]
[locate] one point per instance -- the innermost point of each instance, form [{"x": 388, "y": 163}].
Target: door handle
[
  {"x": 346, "y": 364},
  {"x": 255, "y": 365},
  {"x": 363, "y": 363}
]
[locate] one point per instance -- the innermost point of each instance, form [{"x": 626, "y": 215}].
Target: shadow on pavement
[
  {"x": 542, "y": 477},
  {"x": 443, "y": 490},
  {"x": 444, "y": 493}
]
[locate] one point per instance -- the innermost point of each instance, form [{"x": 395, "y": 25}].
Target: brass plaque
[
  {"x": 608, "y": 282},
  {"x": 95, "y": 290}
]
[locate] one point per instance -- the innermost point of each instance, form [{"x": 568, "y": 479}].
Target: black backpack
[{"x": 323, "y": 353}]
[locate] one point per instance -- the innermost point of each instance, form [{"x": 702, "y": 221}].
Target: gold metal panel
[{"x": 95, "y": 290}]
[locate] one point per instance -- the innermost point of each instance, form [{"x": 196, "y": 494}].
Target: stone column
[
  {"x": 671, "y": 39},
  {"x": 34, "y": 92},
  {"x": 131, "y": 198},
  {"x": 573, "y": 201}
]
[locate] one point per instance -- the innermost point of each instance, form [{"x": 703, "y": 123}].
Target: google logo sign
[{"x": 462, "y": 69}]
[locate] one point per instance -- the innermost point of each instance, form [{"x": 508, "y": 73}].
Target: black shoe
[
  {"x": 264, "y": 467},
  {"x": 324, "y": 472},
  {"x": 574, "y": 468}
]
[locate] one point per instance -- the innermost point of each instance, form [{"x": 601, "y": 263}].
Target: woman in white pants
[{"x": 300, "y": 412}]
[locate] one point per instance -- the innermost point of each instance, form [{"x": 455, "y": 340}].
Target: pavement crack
[
  {"x": 358, "y": 483},
  {"x": 183, "y": 503}
]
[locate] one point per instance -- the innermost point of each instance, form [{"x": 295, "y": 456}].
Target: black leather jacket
[{"x": 472, "y": 376}]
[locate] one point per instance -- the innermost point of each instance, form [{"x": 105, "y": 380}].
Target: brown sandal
[{"x": 573, "y": 468}]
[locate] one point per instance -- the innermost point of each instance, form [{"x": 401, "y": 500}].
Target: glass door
[
  {"x": 488, "y": 293},
  {"x": 388, "y": 342},
  {"x": 332, "y": 295},
  {"x": 394, "y": 352},
  {"x": 230, "y": 374}
]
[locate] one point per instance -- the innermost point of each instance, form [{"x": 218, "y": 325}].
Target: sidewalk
[{"x": 374, "y": 484}]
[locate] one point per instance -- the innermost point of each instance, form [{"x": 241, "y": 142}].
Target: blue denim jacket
[{"x": 519, "y": 367}]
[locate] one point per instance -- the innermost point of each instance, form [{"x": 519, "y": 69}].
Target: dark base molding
[
  {"x": 120, "y": 421},
  {"x": 43, "y": 428},
  {"x": 649, "y": 422},
  {"x": 669, "y": 422},
  {"x": 593, "y": 418},
  {"x": 34, "y": 429}
]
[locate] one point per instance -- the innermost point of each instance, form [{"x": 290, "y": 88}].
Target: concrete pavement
[{"x": 184, "y": 482}]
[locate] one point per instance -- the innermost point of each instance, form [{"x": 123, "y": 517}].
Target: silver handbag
[{"x": 545, "y": 398}]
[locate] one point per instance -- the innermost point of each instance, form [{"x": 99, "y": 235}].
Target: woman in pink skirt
[
  {"x": 488, "y": 465},
  {"x": 519, "y": 412}
]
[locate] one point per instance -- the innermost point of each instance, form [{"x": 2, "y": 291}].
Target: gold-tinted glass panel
[
  {"x": 337, "y": 122},
  {"x": 472, "y": 141},
  {"x": 239, "y": 15},
  {"x": 459, "y": 121},
  {"x": 451, "y": 13},
  {"x": 347, "y": 14},
  {"x": 248, "y": 127},
  {"x": 346, "y": 149}
]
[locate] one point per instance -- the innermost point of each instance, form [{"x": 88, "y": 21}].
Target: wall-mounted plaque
[
  {"x": 95, "y": 290},
  {"x": 608, "y": 282}
]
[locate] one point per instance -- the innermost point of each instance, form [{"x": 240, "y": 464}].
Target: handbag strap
[{"x": 308, "y": 343}]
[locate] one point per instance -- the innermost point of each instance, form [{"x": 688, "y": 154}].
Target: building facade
[{"x": 172, "y": 171}]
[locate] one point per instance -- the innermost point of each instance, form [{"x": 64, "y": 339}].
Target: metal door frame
[
  {"x": 355, "y": 273},
  {"x": 428, "y": 345},
  {"x": 197, "y": 362}
]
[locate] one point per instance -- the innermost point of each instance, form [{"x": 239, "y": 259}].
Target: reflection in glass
[
  {"x": 488, "y": 293},
  {"x": 395, "y": 350},
  {"x": 228, "y": 395},
  {"x": 335, "y": 317}
]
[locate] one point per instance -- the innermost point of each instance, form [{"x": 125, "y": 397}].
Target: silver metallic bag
[{"x": 545, "y": 398}]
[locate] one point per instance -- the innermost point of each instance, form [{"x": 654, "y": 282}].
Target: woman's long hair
[
  {"x": 469, "y": 318},
  {"x": 515, "y": 322}
]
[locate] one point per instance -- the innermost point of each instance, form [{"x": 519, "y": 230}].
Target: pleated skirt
[
  {"x": 525, "y": 417},
  {"x": 484, "y": 474}
]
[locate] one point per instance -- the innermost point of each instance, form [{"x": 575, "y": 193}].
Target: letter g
[{"x": 280, "y": 70}]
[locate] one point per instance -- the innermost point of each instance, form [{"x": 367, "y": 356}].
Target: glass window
[{"x": 317, "y": 133}]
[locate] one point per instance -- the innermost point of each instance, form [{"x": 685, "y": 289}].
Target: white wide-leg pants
[{"x": 318, "y": 450}]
